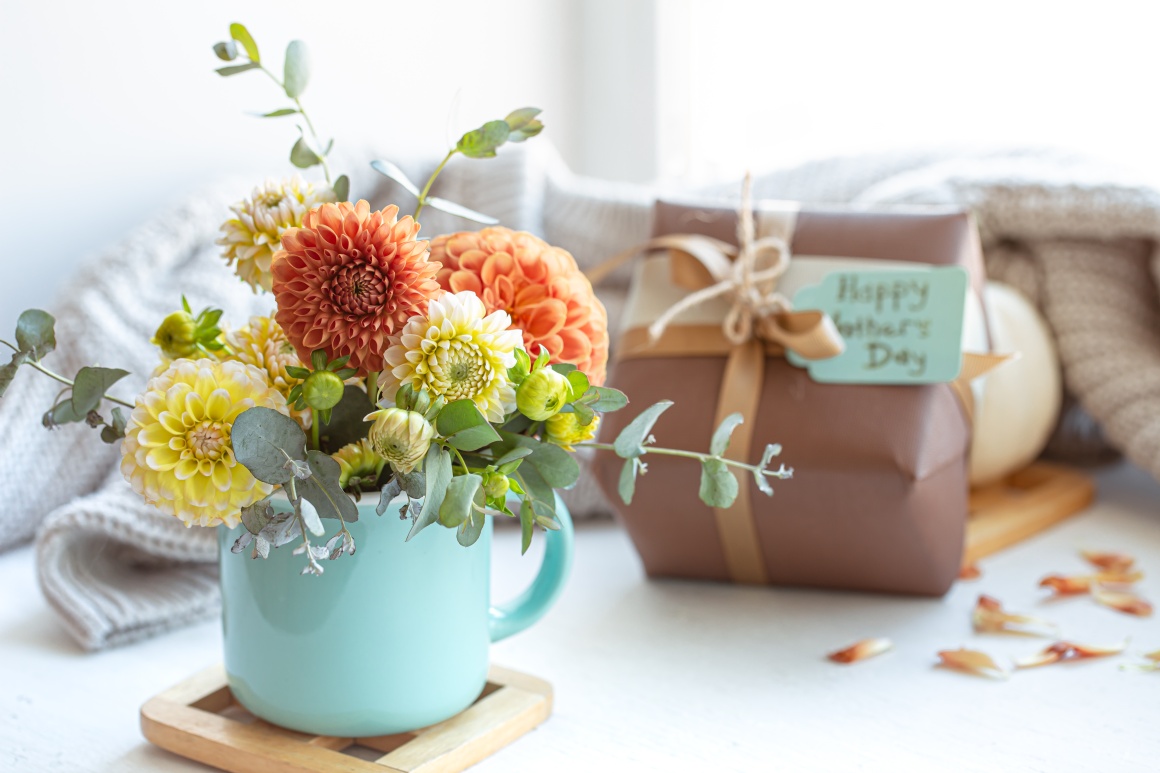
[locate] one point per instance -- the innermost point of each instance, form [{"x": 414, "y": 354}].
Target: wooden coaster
[
  {"x": 1024, "y": 504},
  {"x": 200, "y": 719}
]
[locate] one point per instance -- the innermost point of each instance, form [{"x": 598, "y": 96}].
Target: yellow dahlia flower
[
  {"x": 358, "y": 460},
  {"x": 254, "y": 234},
  {"x": 457, "y": 352},
  {"x": 177, "y": 453},
  {"x": 263, "y": 344},
  {"x": 401, "y": 437},
  {"x": 564, "y": 429}
]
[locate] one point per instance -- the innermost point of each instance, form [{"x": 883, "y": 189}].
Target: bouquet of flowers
[{"x": 456, "y": 376}]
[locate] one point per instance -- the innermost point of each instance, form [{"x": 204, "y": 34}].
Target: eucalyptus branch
[
  {"x": 782, "y": 473},
  {"x": 430, "y": 181},
  {"x": 66, "y": 381},
  {"x": 318, "y": 146}
]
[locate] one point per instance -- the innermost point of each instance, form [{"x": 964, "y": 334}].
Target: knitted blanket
[{"x": 1077, "y": 239}]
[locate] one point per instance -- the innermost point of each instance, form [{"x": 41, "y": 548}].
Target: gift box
[{"x": 878, "y": 499}]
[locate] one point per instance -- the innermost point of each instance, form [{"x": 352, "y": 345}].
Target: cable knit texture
[{"x": 1077, "y": 239}]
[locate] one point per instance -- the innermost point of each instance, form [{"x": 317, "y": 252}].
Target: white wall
[{"x": 110, "y": 111}]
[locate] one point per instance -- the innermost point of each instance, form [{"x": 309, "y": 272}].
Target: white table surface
[{"x": 686, "y": 676}]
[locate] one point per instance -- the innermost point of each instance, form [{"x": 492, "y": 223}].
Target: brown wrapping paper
[{"x": 879, "y": 495}]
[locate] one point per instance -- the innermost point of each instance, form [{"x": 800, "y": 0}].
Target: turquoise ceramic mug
[{"x": 388, "y": 640}]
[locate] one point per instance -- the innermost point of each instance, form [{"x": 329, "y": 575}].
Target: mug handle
[{"x": 519, "y": 613}]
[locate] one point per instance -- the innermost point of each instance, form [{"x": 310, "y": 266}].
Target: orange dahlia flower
[
  {"x": 539, "y": 285},
  {"x": 348, "y": 279}
]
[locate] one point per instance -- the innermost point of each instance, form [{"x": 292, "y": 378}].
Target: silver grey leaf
[
  {"x": 451, "y": 208},
  {"x": 261, "y": 548},
  {"x": 242, "y": 542},
  {"x": 387, "y": 169}
]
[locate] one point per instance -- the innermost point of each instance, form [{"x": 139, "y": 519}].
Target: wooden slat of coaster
[
  {"x": 1022, "y": 505},
  {"x": 199, "y": 719}
]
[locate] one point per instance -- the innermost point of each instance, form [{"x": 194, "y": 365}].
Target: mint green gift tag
[{"x": 901, "y": 326}]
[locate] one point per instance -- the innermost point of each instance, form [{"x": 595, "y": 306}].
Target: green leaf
[
  {"x": 626, "y": 487},
  {"x": 279, "y": 113},
  {"x": 265, "y": 441},
  {"x": 321, "y": 489},
  {"x": 226, "y": 50},
  {"x": 8, "y": 371},
  {"x": 392, "y": 172},
  {"x": 718, "y": 484},
  {"x": 342, "y": 188},
  {"x": 519, "y": 119},
  {"x": 631, "y": 440},
  {"x": 514, "y": 455},
  {"x": 303, "y": 156},
  {"x": 35, "y": 333},
  {"x": 451, "y": 208},
  {"x": 64, "y": 413},
  {"x": 318, "y": 359},
  {"x": 346, "y": 424},
  {"x": 579, "y": 384},
  {"x": 296, "y": 70},
  {"x": 584, "y": 414},
  {"x": 469, "y": 531},
  {"x": 226, "y": 72},
  {"x": 239, "y": 33},
  {"x": 534, "y": 485},
  {"x": 482, "y": 142},
  {"x": 527, "y": 521},
  {"x": 553, "y": 464},
  {"x": 437, "y": 470},
  {"x": 606, "y": 399},
  {"x": 90, "y": 386},
  {"x": 720, "y": 442},
  {"x": 464, "y": 426},
  {"x": 414, "y": 483},
  {"x": 257, "y": 516},
  {"x": 456, "y": 507},
  {"x": 113, "y": 432},
  {"x": 298, "y": 372}
]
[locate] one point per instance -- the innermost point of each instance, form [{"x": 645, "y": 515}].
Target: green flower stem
[
  {"x": 373, "y": 387},
  {"x": 692, "y": 455},
  {"x": 67, "y": 382},
  {"x": 305, "y": 117},
  {"x": 459, "y": 456},
  {"x": 315, "y": 420},
  {"x": 430, "y": 181}
]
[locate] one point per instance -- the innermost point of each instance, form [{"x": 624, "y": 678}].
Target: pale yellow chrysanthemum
[
  {"x": 177, "y": 452},
  {"x": 457, "y": 352},
  {"x": 254, "y": 234},
  {"x": 263, "y": 344},
  {"x": 565, "y": 429}
]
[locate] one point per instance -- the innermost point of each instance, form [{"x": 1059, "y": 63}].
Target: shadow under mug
[{"x": 391, "y": 639}]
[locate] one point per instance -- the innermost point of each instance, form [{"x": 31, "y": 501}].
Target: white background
[{"x": 110, "y": 112}]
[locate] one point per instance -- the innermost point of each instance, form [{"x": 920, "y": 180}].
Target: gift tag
[{"x": 901, "y": 326}]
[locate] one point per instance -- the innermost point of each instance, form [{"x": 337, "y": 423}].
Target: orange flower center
[
  {"x": 207, "y": 440},
  {"x": 357, "y": 288}
]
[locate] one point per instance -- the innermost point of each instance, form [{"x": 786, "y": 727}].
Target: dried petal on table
[
  {"x": 988, "y": 616},
  {"x": 970, "y": 572},
  {"x": 973, "y": 662},
  {"x": 866, "y": 648},
  {"x": 1076, "y": 584},
  {"x": 1067, "y": 651},
  {"x": 1122, "y": 601},
  {"x": 1153, "y": 663},
  {"x": 1108, "y": 561}
]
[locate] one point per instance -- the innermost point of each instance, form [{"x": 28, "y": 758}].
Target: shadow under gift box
[{"x": 878, "y": 500}]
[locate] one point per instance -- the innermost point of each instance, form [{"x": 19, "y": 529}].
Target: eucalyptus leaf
[
  {"x": 762, "y": 483},
  {"x": 464, "y": 426},
  {"x": 390, "y": 491},
  {"x": 261, "y": 548},
  {"x": 527, "y": 521},
  {"x": 242, "y": 542},
  {"x": 468, "y": 532},
  {"x": 280, "y": 112},
  {"x": 626, "y": 486},
  {"x": 579, "y": 383},
  {"x": 8, "y": 371},
  {"x": 482, "y": 142},
  {"x": 557, "y": 467},
  {"x": 321, "y": 489},
  {"x": 456, "y": 507},
  {"x": 718, "y": 483},
  {"x": 771, "y": 450},
  {"x": 264, "y": 441},
  {"x": 303, "y": 156},
  {"x": 519, "y": 119},
  {"x": 35, "y": 333},
  {"x": 606, "y": 399},
  {"x": 239, "y": 33},
  {"x": 451, "y": 208},
  {"x": 64, "y": 413},
  {"x": 90, "y": 386},
  {"x": 512, "y": 455},
  {"x": 226, "y": 50},
  {"x": 389, "y": 170},
  {"x": 437, "y": 471},
  {"x": 534, "y": 485},
  {"x": 630, "y": 442},
  {"x": 257, "y": 516},
  {"x": 296, "y": 70},
  {"x": 234, "y": 69},
  {"x": 720, "y": 442},
  {"x": 584, "y": 414},
  {"x": 414, "y": 483},
  {"x": 342, "y": 188},
  {"x": 309, "y": 515}
]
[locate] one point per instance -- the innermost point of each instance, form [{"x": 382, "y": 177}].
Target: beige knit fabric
[{"x": 1077, "y": 239}]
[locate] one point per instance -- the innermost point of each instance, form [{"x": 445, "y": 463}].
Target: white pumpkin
[{"x": 1019, "y": 402}]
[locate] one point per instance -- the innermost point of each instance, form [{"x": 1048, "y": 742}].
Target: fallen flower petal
[
  {"x": 1153, "y": 656},
  {"x": 970, "y": 572},
  {"x": 971, "y": 661},
  {"x": 1108, "y": 561},
  {"x": 1071, "y": 585},
  {"x": 988, "y": 617},
  {"x": 1152, "y": 665},
  {"x": 1067, "y": 651},
  {"x": 866, "y": 648},
  {"x": 1128, "y": 603}
]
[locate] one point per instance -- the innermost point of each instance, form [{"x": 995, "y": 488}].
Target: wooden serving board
[
  {"x": 199, "y": 719},
  {"x": 1024, "y": 504}
]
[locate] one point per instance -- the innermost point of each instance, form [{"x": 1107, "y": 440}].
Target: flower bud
[
  {"x": 322, "y": 390},
  {"x": 495, "y": 485},
  {"x": 543, "y": 394},
  {"x": 177, "y": 336},
  {"x": 401, "y": 437},
  {"x": 564, "y": 429},
  {"x": 358, "y": 460}
]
